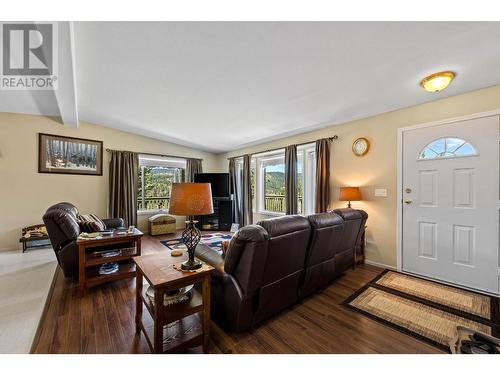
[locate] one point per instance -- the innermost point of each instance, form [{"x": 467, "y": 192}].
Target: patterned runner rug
[{"x": 425, "y": 309}]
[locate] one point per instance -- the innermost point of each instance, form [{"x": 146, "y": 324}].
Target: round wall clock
[{"x": 360, "y": 146}]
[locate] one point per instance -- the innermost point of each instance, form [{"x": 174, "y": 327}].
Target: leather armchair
[
  {"x": 236, "y": 280},
  {"x": 63, "y": 229}
]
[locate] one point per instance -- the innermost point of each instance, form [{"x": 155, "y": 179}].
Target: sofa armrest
[
  {"x": 67, "y": 258},
  {"x": 114, "y": 223},
  {"x": 210, "y": 256}
]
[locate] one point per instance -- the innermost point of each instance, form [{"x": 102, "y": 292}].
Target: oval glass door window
[{"x": 448, "y": 147}]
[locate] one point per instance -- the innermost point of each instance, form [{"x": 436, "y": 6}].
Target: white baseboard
[{"x": 380, "y": 265}]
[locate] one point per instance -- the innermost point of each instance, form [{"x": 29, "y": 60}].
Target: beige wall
[
  {"x": 378, "y": 168},
  {"x": 25, "y": 194}
]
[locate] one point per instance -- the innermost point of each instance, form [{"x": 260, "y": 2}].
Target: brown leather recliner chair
[
  {"x": 269, "y": 266},
  {"x": 63, "y": 229},
  {"x": 283, "y": 268}
]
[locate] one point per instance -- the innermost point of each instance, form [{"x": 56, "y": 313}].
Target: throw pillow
[
  {"x": 90, "y": 223},
  {"x": 88, "y": 226}
]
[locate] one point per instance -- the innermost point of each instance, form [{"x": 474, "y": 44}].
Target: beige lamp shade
[
  {"x": 350, "y": 194},
  {"x": 190, "y": 199}
]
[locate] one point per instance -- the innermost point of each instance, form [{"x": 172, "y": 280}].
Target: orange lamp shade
[
  {"x": 350, "y": 194},
  {"x": 190, "y": 199}
]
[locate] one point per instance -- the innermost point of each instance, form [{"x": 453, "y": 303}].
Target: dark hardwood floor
[{"x": 103, "y": 322}]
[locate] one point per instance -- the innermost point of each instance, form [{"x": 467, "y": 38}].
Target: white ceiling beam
[{"x": 66, "y": 91}]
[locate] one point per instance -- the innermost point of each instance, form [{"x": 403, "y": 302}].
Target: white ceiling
[{"x": 220, "y": 86}]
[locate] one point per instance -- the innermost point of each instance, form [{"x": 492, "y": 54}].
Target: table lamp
[
  {"x": 350, "y": 194},
  {"x": 191, "y": 199}
]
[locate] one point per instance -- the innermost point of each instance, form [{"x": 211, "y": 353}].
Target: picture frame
[{"x": 59, "y": 154}]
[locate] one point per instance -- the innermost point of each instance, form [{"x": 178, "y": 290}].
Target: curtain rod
[
  {"x": 162, "y": 155},
  {"x": 280, "y": 148}
]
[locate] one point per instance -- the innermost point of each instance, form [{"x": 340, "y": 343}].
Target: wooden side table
[
  {"x": 174, "y": 328},
  {"x": 89, "y": 263}
]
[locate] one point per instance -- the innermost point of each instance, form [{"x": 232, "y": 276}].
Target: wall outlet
[{"x": 381, "y": 192}]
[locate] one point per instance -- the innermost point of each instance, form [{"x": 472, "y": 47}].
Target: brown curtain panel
[
  {"x": 291, "y": 183},
  {"x": 247, "y": 217},
  {"x": 193, "y": 166},
  {"x": 234, "y": 185},
  {"x": 322, "y": 174},
  {"x": 123, "y": 179}
]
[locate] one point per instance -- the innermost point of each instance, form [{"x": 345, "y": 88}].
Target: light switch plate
[{"x": 381, "y": 192}]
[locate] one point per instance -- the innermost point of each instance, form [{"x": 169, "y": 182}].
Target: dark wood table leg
[
  {"x": 138, "y": 246},
  {"x": 158, "y": 322},
  {"x": 138, "y": 302},
  {"x": 206, "y": 313},
  {"x": 81, "y": 273}
]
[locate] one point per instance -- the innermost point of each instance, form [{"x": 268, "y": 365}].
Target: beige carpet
[
  {"x": 425, "y": 309},
  {"x": 25, "y": 281}
]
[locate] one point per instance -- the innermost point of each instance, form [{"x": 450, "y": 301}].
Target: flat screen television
[{"x": 218, "y": 181}]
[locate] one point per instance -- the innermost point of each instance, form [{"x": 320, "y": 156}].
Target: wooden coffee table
[
  {"x": 89, "y": 259},
  {"x": 177, "y": 327}
]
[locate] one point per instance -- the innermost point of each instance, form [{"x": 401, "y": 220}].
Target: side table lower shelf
[
  {"x": 177, "y": 336},
  {"x": 93, "y": 278}
]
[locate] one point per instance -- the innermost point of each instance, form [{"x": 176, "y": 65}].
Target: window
[
  {"x": 270, "y": 181},
  {"x": 448, "y": 147},
  {"x": 156, "y": 175}
]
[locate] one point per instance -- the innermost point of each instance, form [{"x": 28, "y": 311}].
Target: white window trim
[
  {"x": 259, "y": 181},
  {"x": 309, "y": 184}
]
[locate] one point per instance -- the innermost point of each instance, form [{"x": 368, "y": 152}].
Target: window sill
[
  {"x": 151, "y": 212},
  {"x": 270, "y": 213}
]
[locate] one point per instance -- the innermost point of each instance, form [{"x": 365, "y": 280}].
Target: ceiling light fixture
[{"x": 437, "y": 81}]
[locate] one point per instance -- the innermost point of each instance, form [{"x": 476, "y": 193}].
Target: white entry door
[{"x": 450, "y": 203}]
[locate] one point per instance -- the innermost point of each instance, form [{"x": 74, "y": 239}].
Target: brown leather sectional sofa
[{"x": 273, "y": 264}]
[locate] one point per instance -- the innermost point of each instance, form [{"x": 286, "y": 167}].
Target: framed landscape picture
[{"x": 68, "y": 155}]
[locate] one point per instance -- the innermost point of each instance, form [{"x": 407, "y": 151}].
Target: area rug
[
  {"x": 425, "y": 309},
  {"x": 212, "y": 240}
]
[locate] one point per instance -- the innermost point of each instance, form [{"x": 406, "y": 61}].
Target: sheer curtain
[
  {"x": 123, "y": 178},
  {"x": 291, "y": 176},
  {"x": 322, "y": 174}
]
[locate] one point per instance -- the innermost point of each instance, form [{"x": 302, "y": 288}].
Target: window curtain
[
  {"x": 291, "y": 180},
  {"x": 123, "y": 179},
  {"x": 193, "y": 166},
  {"x": 247, "y": 217},
  {"x": 237, "y": 202},
  {"x": 322, "y": 174}
]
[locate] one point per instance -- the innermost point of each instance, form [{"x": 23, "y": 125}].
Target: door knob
[{"x": 408, "y": 201}]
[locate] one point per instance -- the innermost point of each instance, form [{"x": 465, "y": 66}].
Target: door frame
[{"x": 399, "y": 185}]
